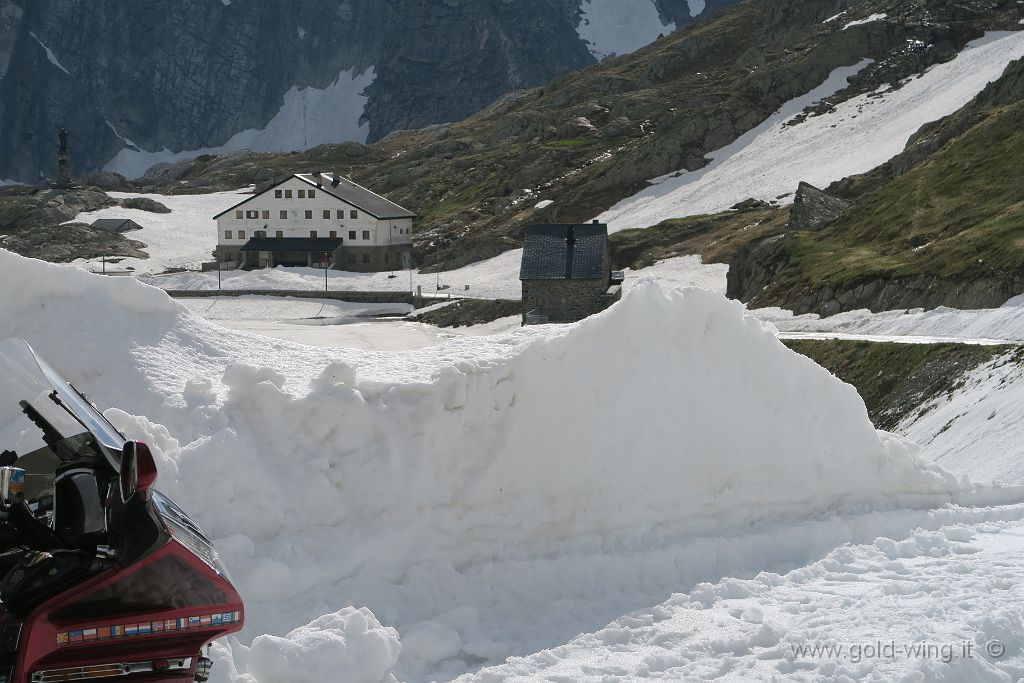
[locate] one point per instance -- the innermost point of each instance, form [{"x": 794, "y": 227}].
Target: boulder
[
  {"x": 144, "y": 204},
  {"x": 813, "y": 208}
]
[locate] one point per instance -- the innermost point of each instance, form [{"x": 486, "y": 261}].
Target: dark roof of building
[
  {"x": 116, "y": 224},
  {"x": 346, "y": 190},
  {"x": 565, "y": 252},
  {"x": 358, "y": 196},
  {"x": 292, "y": 244}
]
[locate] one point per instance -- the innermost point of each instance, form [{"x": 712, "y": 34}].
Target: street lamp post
[{"x": 327, "y": 266}]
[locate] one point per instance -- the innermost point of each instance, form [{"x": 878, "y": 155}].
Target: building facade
[
  {"x": 566, "y": 273},
  {"x": 316, "y": 220}
]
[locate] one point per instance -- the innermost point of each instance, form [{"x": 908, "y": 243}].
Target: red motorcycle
[{"x": 101, "y": 576}]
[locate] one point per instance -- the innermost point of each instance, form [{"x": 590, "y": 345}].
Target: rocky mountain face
[
  {"x": 184, "y": 75},
  {"x": 593, "y": 137}
]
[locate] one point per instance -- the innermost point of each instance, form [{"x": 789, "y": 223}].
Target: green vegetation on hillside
[
  {"x": 715, "y": 238},
  {"x": 947, "y": 216}
]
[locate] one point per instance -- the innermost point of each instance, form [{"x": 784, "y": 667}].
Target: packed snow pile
[
  {"x": 350, "y": 641},
  {"x": 334, "y": 478}
]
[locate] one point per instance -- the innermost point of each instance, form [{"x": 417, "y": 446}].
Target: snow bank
[
  {"x": 461, "y": 491},
  {"x": 855, "y": 137},
  {"x": 939, "y": 605},
  {"x": 350, "y": 641}
]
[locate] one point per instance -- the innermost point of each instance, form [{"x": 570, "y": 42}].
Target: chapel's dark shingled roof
[{"x": 565, "y": 252}]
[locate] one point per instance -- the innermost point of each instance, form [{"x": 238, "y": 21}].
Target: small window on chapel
[
  {"x": 353, "y": 215},
  {"x": 284, "y": 215},
  {"x": 227, "y": 234},
  {"x": 266, "y": 215},
  {"x": 241, "y": 234},
  {"x": 309, "y": 215},
  {"x": 239, "y": 214},
  {"x": 287, "y": 194},
  {"x": 278, "y": 193},
  {"x": 302, "y": 194},
  {"x": 351, "y": 234},
  {"x": 366, "y": 234},
  {"x": 312, "y": 234},
  {"x": 340, "y": 214},
  {"x": 280, "y": 234},
  {"x": 327, "y": 214},
  {"x": 312, "y": 194}
]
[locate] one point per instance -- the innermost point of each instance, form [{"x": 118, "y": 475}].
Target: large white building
[{"x": 316, "y": 219}]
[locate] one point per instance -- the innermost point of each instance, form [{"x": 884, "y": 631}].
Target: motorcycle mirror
[
  {"x": 12, "y": 485},
  {"x": 138, "y": 471}
]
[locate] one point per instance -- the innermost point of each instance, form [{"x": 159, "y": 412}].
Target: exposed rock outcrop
[
  {"x": 144, "y": 204},
  {"x": 188, "y": 74},
  {"x": 814, "y": 208}
]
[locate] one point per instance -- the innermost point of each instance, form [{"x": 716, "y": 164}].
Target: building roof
[
  {"x": 346, "y": 190},
  {"x": 358, "y": 196},
  {"x": 277, "y": 244},
  {"x": 565, "y": 252},
  {"x": 116, "y": 224}
]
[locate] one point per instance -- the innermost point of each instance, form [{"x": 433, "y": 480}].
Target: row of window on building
[
  {"x": 302, "y": 194},
  {"x": 340, "y": 214},
  {"x": 262, "y": 234}
]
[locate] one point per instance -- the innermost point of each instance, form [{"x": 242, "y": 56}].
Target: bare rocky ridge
[
  {"x": 188, "y": 74},
  {"x": 33, "y": 223}
]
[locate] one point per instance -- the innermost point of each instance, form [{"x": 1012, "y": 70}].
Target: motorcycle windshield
[{"x": 44, "y": 422}]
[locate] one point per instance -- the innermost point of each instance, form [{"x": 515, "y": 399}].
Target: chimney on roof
[
  {"x": 337, "y": 179},
  {"x": 570, "y": 250},
  {"x": 319, "y": 180},
  {"x": 595, "y": 221}
]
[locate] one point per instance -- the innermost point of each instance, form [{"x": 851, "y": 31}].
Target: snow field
[
  {"x": 485, "y": 498},
  {"x": 618, "y": 27},
  {"x": 183, "y": 238},
  {"x": 857, "y": 136},
  {"x": 308, "y": 117},
  {"x": 938, "y": 605}
]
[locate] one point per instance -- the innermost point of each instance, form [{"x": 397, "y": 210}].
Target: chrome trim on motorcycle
[{"x": 84, "y": 673}]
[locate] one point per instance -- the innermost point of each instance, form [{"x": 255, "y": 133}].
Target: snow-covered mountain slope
[
  {"x": 308, "y": 117},
  {"x": 857, "y": 135},
  {"x": 979, "y": 428},
  {"x": 489, "y": 497},
  {"x": 617, "y": 27}
]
